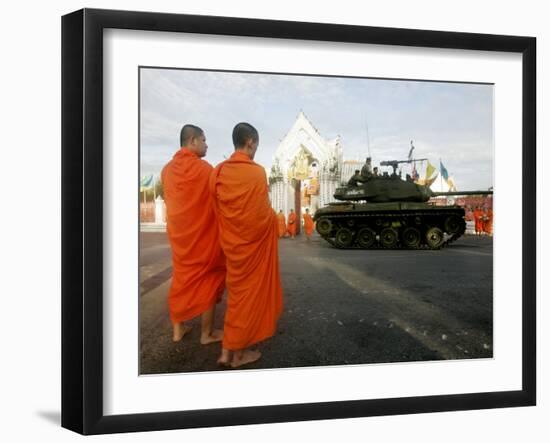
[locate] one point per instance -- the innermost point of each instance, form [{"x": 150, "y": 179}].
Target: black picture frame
[{"x": 82, "y": 219}]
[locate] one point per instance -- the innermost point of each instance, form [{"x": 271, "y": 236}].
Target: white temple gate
[{"x": 306, "y": 169}]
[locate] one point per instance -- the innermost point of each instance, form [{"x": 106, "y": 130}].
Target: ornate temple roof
[{"x": 303, "y": 135}]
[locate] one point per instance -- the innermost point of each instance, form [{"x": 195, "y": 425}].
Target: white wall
[{"x": 30, "y": 315}]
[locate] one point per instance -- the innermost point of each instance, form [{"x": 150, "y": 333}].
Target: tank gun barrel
[{"x": 437, "y": 194}]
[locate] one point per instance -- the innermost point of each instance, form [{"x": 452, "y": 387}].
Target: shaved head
[
  {"x": 192, "y": 138},
  {"x": 243, "y": 132},
  {"x": 188, "y": 132}
]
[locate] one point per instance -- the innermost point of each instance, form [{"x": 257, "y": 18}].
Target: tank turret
[
  {"x": 382, "y": 189},
  {"x": 390, "y": 212}
]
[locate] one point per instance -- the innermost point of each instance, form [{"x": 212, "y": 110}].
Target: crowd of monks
[
  {"x": 289, "y": 229},
  {"x": 224, "y": 236},
  {"x": 482, "y": 218}
]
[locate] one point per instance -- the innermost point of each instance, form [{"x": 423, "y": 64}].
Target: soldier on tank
[
  {"x": 366, "y": 170},
  {"x": 356, "y": 179}
]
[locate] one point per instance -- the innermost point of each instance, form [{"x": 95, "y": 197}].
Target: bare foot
[
  {"x": 244, "y": 358},
  {"x": 225, "y": 358},
  {"x": 215, "y": 336},
  {"x": 179, "y": 331}
]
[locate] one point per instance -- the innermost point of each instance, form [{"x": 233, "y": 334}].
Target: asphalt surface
[{"x": 341, "y": 307}]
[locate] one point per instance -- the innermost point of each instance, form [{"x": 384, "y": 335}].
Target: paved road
[{"x": 342, "y": 307}]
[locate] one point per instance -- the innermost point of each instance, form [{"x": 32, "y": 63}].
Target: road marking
[
  {"x": 155, "y": 280},
  {"x": 150, "y": 269},
  {"x": 153, "y": 311},
  {"x": 384, "y": 294}
]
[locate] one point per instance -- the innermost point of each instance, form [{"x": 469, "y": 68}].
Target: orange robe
[
  {"x": 282, "y": 224},
  {"x": 308, "y": 224},
  {"x": 488, "y": 223},
  {"x": 198, "y": 276},
  {"x": 249, "y": 239},
  {"x": 292, "y": 224},
  {"x": 478, "y": 215}
]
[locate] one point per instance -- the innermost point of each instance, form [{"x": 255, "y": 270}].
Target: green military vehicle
[{"x": 388, "y": 212}]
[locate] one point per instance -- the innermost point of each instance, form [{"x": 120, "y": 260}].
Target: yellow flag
[
  {"x": 451, "y": 184},
  {"x": 429, "y": 170}
]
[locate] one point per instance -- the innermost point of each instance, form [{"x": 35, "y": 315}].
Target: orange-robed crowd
[
  {"x": 289, "y": 229},
  {"x": 223, "y": 234},
  {"x": 482, "y": 218}
]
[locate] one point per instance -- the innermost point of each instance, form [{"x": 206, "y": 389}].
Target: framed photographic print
[{"x": 355, "y": 184}]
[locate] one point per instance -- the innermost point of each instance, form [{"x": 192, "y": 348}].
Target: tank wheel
[
  {"x": 434, "y": 238},
  {"x": 411, "y": 237},
  {"x": 323, "y": 226},
  {"x": 388, "y": 237},
  {"x": 344, "y": 237},
  {"x": 366, "y": 238},
  {"x": 452, "y": 224}
]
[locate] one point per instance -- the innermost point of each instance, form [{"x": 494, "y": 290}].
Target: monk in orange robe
[
  {"x": 478, "y": 218},
  {"x": 282, "y": 223},
  {"x": 292, "y": 224},
  {"x": 249, "y": 239},
  {"x": 488, "y": 222},
  {"x": 198, "y": 276},
  {"x": 308, "y": 224}
]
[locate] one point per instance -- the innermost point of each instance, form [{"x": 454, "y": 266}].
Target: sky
[{"x": 448, "y": 121}]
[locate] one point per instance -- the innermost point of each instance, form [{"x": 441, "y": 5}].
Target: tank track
[{"x": 344, "y": 218}]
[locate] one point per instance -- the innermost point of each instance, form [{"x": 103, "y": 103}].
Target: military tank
[{"x": 385, "y": 211}]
